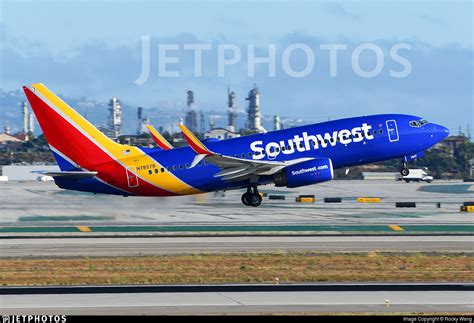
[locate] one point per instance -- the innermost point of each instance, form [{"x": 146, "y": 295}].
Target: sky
[{"x": 93, "y": 49}]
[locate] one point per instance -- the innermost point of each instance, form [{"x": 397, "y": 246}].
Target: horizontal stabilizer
[{"x": 68, "y": 174}]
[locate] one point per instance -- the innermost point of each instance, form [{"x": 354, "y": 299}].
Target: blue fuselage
[{"x": 347, "y": 142}]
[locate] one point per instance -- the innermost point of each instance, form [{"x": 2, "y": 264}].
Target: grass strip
[{"x": 239, "y": 268}]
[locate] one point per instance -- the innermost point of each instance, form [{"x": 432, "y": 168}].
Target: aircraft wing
[{"x": 234, "y": 168}]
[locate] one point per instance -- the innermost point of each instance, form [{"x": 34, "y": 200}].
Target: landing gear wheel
[
  {"x": 255, "y": 200},
  {"x": 404, "y": 171},
  {"x": 251, "y": 197},
  {"x": 246, "y": 198}
]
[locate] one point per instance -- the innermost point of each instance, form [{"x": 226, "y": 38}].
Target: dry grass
[{"x": 237, "y": 268}]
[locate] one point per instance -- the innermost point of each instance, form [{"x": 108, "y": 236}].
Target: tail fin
[{"x": 76, "y": 143}]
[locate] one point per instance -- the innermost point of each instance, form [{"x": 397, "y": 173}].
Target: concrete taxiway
[
  {"x": 40, "y": 203},
  {"x": 139, "y": 246}
]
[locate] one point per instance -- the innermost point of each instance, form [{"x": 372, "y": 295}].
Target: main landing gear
[
  {"x": 404, "y": 171},
  {"x": 252, "y": 197}
]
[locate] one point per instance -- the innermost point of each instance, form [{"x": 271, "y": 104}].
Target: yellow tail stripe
[
  {"x": 127, "y": 155},
  {"x": 84, "y": 229}
]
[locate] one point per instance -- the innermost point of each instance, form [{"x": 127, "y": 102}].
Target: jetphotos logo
[{"x": 305, "y": 142}]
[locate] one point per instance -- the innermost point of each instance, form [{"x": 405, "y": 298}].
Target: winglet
[
  {"x": 159, "y": 139},
  {"x": 194, "y": 142}
]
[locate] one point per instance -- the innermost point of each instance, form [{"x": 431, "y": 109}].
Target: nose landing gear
[
  {"x": 404, "y": 171},
  {"x": 252, "y": 197}
]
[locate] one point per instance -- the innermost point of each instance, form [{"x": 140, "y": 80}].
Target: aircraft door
[
  {"x": 392, "y": 130},
  {"x": 132, "y": 179}
]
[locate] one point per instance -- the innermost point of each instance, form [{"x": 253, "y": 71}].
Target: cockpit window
[{"x": 418, "y": 123}]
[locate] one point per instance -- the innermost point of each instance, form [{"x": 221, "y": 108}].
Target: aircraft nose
[{"x": 440, "y": 132}]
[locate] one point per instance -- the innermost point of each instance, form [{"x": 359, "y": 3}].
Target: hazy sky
[{"x": 92, "y": 49}]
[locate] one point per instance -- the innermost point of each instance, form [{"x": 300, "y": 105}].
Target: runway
[
  {"x": 42, "y": 203},
  {"x": 240, "y": 303},
  {"x": 134, "y": 246}
]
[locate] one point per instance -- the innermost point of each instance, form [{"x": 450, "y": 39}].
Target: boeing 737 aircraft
[{"x": 90, "y": 161}]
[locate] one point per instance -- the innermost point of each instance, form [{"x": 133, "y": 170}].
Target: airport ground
[{"x": 214, "y": 238}]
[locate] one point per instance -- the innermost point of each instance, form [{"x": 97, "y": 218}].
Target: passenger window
[
  {"x": 162, "y": 170},
  {"x": 156, "y": 170},
  {"x": 242, "y": 155},
  {"x": 168, "y": 168},
  {"x": 250, "y": 155},
  {"x": 380, "y": 131},
  {"x": 180, "y": 166},
  {"x": 174, "y": 167},
  {"x": 187, "y": 166},
  {"x": 150, "y": 172}
]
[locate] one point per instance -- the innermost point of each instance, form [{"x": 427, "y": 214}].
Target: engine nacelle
[{"x": 305, "y": 173}]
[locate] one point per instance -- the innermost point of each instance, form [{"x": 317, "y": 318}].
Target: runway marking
[
  {"x": 396, "y": 228},
  {"x": 84, "y": 229}
]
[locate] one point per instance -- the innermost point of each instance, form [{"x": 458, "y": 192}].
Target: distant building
[
  {"x": 7, "y": 139},
  {"x": 115, "y": 118},
  {"x": 136, "y": 140},
  {"x": 452, "y": 143},
  {"x": 220, "y": 133}
]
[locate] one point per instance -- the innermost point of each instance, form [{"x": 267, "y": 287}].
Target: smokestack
[
  {"x": 31, "y": 123},
  {"x": 232, "y": 113},
  {"x": 276, "y": 123},
  {"x": 254, "y": 117},
  {"x": 25, "y": 117},
  {"x": 140, "y": 121},
  {"x": 191, "y": 116},
  {"x": 212, "y": 122}
]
